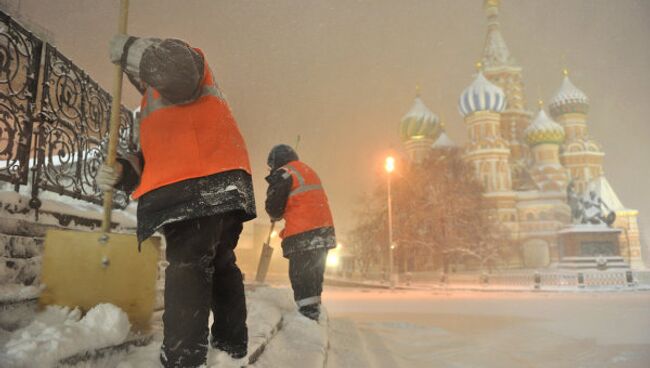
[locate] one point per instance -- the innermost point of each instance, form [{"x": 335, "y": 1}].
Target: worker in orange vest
[
  {"x": 295, "y": 194},
  {"x": 192, "y": 180}
]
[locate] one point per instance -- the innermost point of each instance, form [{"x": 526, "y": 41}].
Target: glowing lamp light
[
  {"x": 274, "y": 234},
  {"x": 332, "y": 260},
  {"x": 390, "y": 164}
]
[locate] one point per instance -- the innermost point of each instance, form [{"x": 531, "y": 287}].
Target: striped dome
[
  {"x": 568, "y": 99},
  {"x": 419, "y": 122},
  {"x": 544, "y": 130},
  {"x": 481, "y": 95}
]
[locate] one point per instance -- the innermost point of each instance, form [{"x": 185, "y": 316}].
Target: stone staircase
[
  {"x": 20, "y": 259},
  {"x": 22, "y": 235},
  {"x": 20, "y": 265}
]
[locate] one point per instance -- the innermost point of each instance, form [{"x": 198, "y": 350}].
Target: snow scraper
[
  {"x": 82, "y": 269},
  {"x": 265, "y": 257}
]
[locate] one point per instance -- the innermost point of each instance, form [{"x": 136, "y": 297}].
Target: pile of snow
[{"x": 59, "y": 332}]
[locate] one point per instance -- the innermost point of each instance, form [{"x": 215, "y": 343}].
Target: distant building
[{"x": 526, "y": 161}]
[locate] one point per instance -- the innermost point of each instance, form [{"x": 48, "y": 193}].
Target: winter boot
[
  {"x": 235, "y": 351},
  {"x": 311, "y": 311}
]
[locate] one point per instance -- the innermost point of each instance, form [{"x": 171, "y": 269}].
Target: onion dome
[
  {"x": 568, "y": 99},
  {"x": 544, "y": 130},
  {"x": 481, "y": 95},
  {"x": 419, "y": 122}
]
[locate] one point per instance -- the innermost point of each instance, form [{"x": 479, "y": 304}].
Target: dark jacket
[
  {"x": 277, "y": 195},
  {"x": 175, "y": 70}
]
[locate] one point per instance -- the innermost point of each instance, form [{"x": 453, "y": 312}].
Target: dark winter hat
[{"x": 281, "y": 155}]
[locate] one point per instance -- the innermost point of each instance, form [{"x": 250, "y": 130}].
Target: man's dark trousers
[
  {"x": 306, "y": 271},
  {"x": 202, "y": 275}
]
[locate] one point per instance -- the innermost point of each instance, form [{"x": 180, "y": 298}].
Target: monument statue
[
  {"x": 589, "y": 208},
  {"x": 577, "y": 211}
]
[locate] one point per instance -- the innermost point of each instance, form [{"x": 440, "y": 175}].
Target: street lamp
[{"x": 390, "y": 167}]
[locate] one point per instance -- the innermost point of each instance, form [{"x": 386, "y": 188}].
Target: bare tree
[
  {"x": 369, "y": 237},
  {"x": 438, "y": 216}
]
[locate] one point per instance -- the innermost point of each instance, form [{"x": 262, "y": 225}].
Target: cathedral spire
[{"x": 495, "y": 53}]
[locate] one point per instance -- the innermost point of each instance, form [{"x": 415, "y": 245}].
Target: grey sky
[{"x": 342, "y": 73}]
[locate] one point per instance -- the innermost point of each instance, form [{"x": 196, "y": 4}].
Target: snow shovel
[
  {"x": 265, "y": 257},
  {"x": 82, "y": 269}
]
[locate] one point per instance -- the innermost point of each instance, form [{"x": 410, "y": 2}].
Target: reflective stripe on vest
[
  {"x": 307, "y": 207},
  {"x": 301, "y": 182},
  {"x": 155, "y": 104}
]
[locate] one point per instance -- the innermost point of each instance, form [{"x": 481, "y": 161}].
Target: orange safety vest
[
  {"x": 193, "y": 140},
  {"x": 307, "y": 207}
]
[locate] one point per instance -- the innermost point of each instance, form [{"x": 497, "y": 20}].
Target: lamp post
[{"x": 390, "y": 167}]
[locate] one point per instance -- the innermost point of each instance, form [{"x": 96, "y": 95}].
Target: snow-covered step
[
  {"x": 20, "y": 270},
  {"x": 301, "y": 343},
  {"x": 20, "y": 257},
  {"x": 17, "y": 246},
  {"x": 104, "y": 357},
  {"x": 347, "y": 349},
  {"x": 11, "y": 224},
  {"x": 18, "y": 305}
]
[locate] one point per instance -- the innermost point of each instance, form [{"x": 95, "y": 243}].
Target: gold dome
[
  {"x": 544, "y": 130},
  {"x": 492, "y": 3}
]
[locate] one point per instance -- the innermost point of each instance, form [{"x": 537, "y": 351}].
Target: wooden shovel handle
[
  {"x": 114, "y": 126},
  {"x": 268, "y": 238}
]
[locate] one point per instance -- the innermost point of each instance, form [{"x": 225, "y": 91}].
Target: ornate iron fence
[
  {"x": 58, "y": 130},
  {"x": 20, "y": 56},
  {"x": 73, "y": 131}
]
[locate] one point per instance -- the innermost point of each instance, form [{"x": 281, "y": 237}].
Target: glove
[
  {"x": 116, "y": 47},
  {"x": 108, "y": 176},
  {"x": 134, "y": 51}
]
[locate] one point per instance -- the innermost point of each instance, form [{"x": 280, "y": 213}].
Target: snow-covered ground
[
  {"x": 58, "y": 333},
  {"x": 418, "y": 328},
  {"x": 379, "y": 328}
]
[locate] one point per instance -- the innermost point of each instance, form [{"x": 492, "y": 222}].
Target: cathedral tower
[
  {"x": 501, "y": 69},
  {"x": 581, "y": 155},
  {"x": 481, "y": 105},
  {"x": 544, "y": 136}
]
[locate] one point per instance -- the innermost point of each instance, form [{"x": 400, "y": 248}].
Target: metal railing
[
  {"x": 54, "y": 132},
  {"x": 20, "y": 56},
  {"x": 551, "y": 279}
]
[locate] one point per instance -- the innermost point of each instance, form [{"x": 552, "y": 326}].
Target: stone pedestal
[{"x": 590, "y": 246}]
